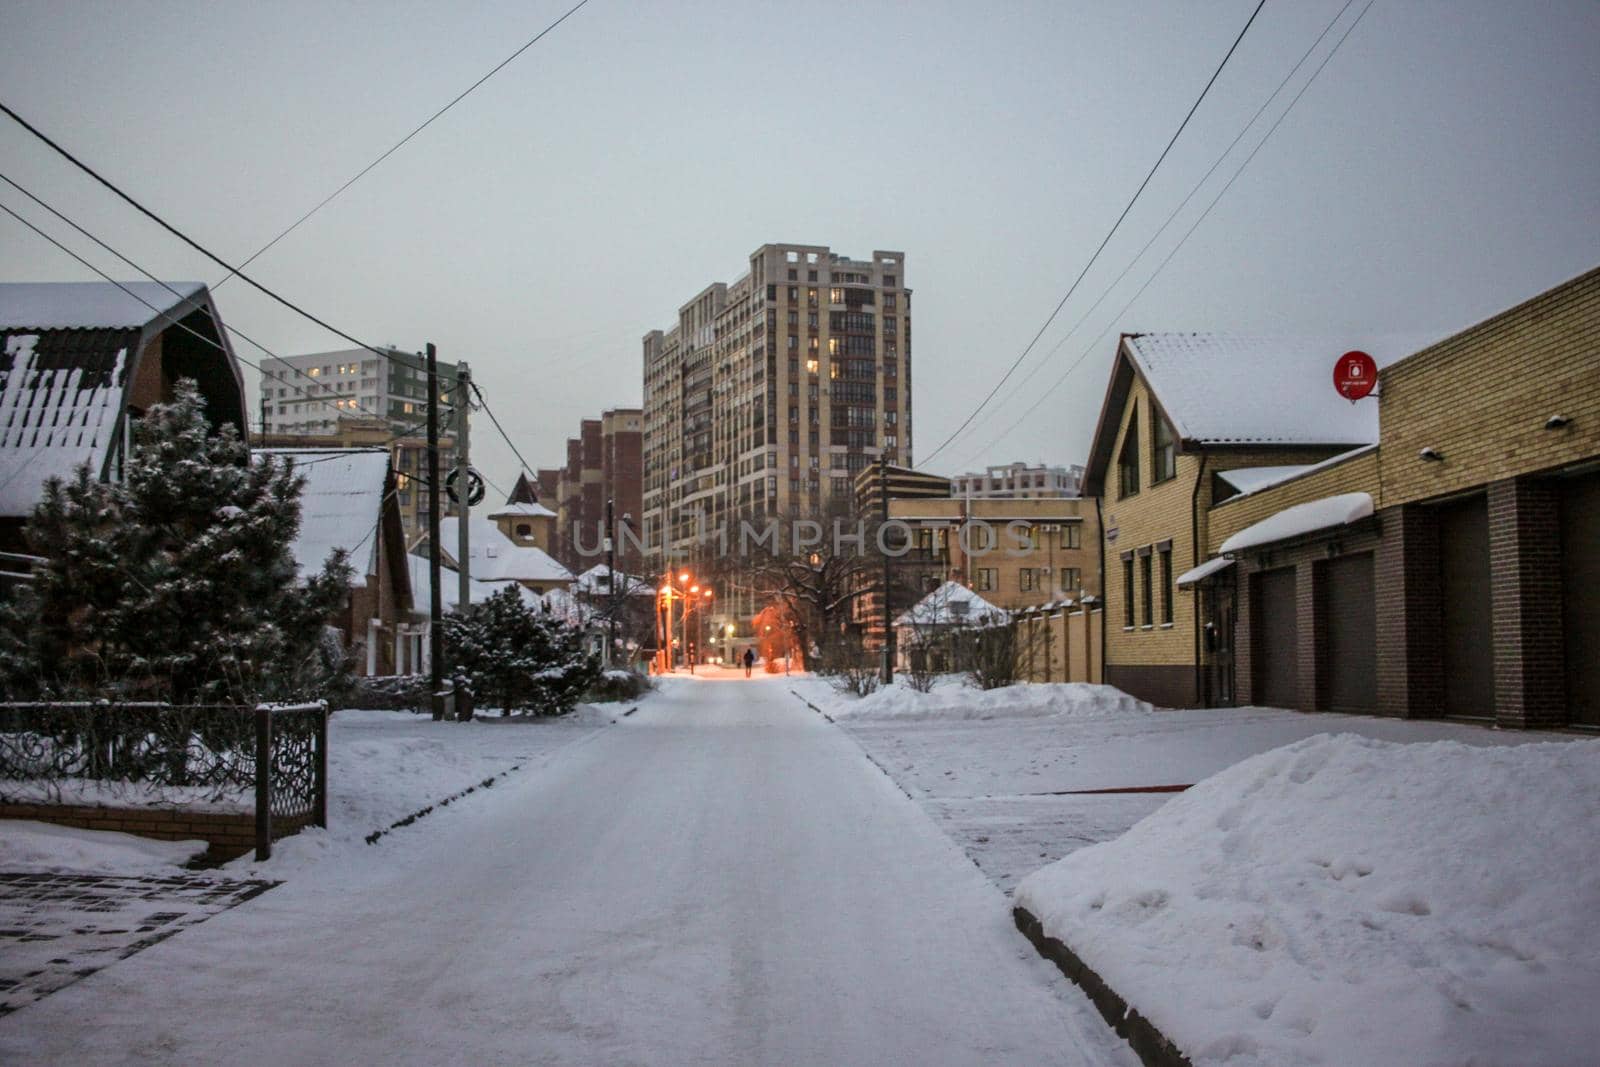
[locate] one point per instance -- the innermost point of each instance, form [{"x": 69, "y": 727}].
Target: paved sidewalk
[{"x": 58, "y": 928}]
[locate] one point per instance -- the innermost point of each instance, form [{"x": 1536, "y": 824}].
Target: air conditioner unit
[{"x": 1051, "y": 528}]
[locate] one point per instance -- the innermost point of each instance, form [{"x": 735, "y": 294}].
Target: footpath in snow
[
  {"x": 1006, "y": 771},
  {"x": 721, "y": 878}
]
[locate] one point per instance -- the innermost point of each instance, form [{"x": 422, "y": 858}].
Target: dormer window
[{"x": 1128, "y": 458}]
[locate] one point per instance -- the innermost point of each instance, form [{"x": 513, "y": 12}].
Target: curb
[
  {"x": 810, "y": 705},
  {"x": 1153, "y": 1047}
]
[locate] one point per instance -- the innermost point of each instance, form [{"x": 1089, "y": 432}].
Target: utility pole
[
  {"x": 435, "y": 487},
  {"x": 886, "y": 667},
  {"x": 611, "y": 586},
  {"x": 463, "y": 390}
]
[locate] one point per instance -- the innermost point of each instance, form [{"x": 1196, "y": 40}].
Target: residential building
[
  {"x": 1186, "y": 419},
  {"x": 1019, "y": 481},
  {"x": 307, "y": 394},
  {"x": 348, "y": 504},
  {"x": 770, "y": 394},
  {"x": 604, "y": 462},
  {"x": 80, "y": 362},
  {"x": 1449, "y": 568},
  {"x": 408, "y": 454},
  {"x": 903, "y": 484}
]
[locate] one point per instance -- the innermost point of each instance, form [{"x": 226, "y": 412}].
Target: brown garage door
[
  {"x": 1276, "y": 635},
  {"x": 1464, "y": 587},
  {"x": 1580, "y": 579},
  {"x": 1352, "y": 664}
]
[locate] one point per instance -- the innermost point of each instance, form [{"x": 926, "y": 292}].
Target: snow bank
[
  {"x": 1344, "y": 900},
  {"x": 1301, "y": 519},
  {"x": 954, "y": 701},
  {"x": 36, "y": 846}
]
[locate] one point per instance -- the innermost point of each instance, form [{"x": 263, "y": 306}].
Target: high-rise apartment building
[{"x": 772, "y": 392}]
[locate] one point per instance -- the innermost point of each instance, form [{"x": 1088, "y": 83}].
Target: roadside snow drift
[
  {"x": 26, "y": 845},
  {"x": 954, "y": 701},
  {"x": 1349, "y": 901}
]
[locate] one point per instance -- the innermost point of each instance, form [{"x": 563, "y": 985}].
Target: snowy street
[{"x": 721, "y": 878}]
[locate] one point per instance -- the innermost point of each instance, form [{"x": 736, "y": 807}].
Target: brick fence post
[
  {"x": 1525, "y": 596},
  {"x": 263, "y": 783}
]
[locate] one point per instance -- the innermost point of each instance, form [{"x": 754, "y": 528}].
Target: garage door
[
  {"x": 1464, "y": 586},
  {"x": 1352, "y": 664},
  {"x": 1276, "y": 635},
  {"x": 1580, "y": 578}
]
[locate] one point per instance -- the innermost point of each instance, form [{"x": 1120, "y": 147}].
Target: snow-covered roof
[
  {"x": 495, "y": 557},
  {"x": 1300, "y": 519},
  {"x": 1220, "y": 388},
  {"x": 952, "y": 604},
  {"x": 450, "y": 588},
  {"x": 55, "y": 414},
  {"x": 1250, "y": 479},
  {"x": 596, "y": 581},
  {"x": 1204, "y": 571},
  {"x": 534, "y": 510},
  {"x": 89, "y": 305},
  {"x": 340, "y": 507}
]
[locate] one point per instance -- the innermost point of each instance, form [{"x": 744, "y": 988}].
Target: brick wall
[
  {"x": 1526, "y": 596},
  {"x": 1409, "y": 611},
  {"x": 227, "y": 834},
  {"x": 1481, "y": 397},
  {"x": 1358, "y": 474}
]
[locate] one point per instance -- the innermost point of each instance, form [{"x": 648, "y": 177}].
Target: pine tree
[
  {"x": 175, "y": 583},
  {"x": 514, "y": 657}
]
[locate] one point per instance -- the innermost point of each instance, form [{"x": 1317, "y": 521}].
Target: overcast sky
[{"x": 1444, "y": 165}]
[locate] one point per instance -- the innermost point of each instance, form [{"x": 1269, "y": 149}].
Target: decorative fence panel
[{"x": 218, "y": 758}]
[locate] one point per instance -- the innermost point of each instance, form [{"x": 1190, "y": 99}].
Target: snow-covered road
[{"x": 722, "y": 878}]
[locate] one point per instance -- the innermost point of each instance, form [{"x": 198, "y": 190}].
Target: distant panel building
[
  {"x": 1019, "y": 481},
  {"x": 355, "y": 398}
]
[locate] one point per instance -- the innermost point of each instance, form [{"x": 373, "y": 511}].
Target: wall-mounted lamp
[
  {"x": 1558, "y": 422},
  {"x": 1431, "y": 455}
]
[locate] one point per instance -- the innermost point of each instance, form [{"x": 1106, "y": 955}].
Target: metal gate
[
  {"x": 1467, "y": 642},
  {"x": 1580, "y": 573},
  {"x": 1351, "y": 682},
  {"x": 1277, "y": 634}
]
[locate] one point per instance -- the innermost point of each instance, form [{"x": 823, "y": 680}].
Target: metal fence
[{"x": 274, "y": 757}]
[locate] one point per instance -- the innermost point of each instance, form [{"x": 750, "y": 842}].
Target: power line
[
  {"x": 305, "y": 394},
  {"x": 1187, "y": 234},
  {"x": 185, "y": 238},
  {"x": 504, "y": 436},
  {"x": 159, "y": 312},
  {"x": 401, "y": 143},
  {"x": 1109, "y": 234},
  {"x": 1287, "y": 78}
]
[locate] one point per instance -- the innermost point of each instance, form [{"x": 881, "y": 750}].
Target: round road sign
[{"x": 474, "y": 486}]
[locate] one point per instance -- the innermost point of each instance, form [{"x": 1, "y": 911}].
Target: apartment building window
[
  {"x": 1147, "y": 600},
  {"x": 1072, "y": 535},
  {"x": 1165, "y": 460},
  {"x": 811, "y": 297},
  {"x": 836, "y": 295},
  {"x": 794, "y": 318},
  {"x": 888, "y": 301},
  {"x": 1071, "y": 579},
  {"x": 811, "y": 275},
  {"x": 1127, "y": 591},
  {"x": 1027, "y": 579},
  {"x": 794, "y": 342},
  {"x": 793, "y": 274},
  {"x": 983, "y": 579},
  {"x": 889, "y": 281},
  {"x": 1164, "y": 550},
  {"x": 1128, "y": 459}
]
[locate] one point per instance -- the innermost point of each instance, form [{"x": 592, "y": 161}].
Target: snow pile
[
  {"x": 1301, "y": 519},
  {"x": 41, "y": 847},
  {"x": 953, "y": 701},
  {"x": 1345, "y": 900}
]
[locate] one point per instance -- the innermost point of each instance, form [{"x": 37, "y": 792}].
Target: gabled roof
[
  {"x": 340, "y": 508},
  {"x": 523, "y": 492},
  {"x": 450, "y": 588},
  {"x": 597, "y": 581},
  {"x": 92, "y": 305},
  {"x": 495, "y": 557},
  {"x": 522, "y": 510},
  {"x": 1221, "y": 389},
  {"x": 68, "y": 351},
  {"x": 952, "y": 604}
]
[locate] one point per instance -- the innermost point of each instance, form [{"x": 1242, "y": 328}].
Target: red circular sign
[{"x": 1355, "y": 375}]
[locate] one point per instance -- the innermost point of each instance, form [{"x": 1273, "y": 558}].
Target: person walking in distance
[{"x": 749, "y": 660}]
